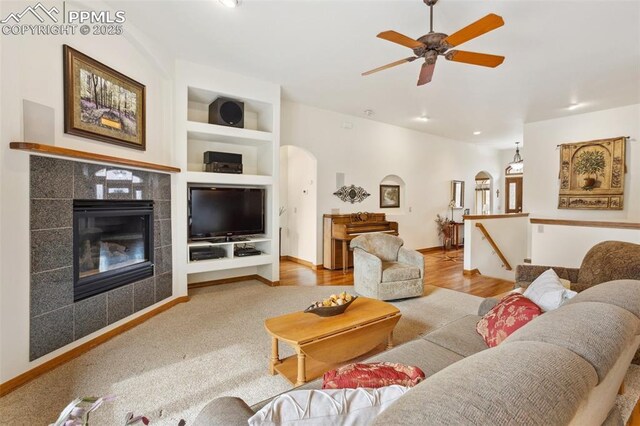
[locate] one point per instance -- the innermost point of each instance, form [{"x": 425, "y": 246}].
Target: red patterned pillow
[
  {"x": 373, "y": 375},
  {"x": 511, "y": 313}
]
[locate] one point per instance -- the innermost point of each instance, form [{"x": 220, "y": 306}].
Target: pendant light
[{"x": 517, "y": 164}]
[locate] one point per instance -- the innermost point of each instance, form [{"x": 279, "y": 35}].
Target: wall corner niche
[{"x": 395, "y": 180}]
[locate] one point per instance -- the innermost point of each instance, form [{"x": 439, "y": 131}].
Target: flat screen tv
[{"x": 225, "y": 212}]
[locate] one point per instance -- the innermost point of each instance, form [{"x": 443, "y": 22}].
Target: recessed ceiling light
[
  {"x": 229, "y": 3},
  {"x": 574, "y": 105},
  {"x": 477, "y": 132},
  {"x": 368, "y": 112},
  {"x": 423, "y": 118}
]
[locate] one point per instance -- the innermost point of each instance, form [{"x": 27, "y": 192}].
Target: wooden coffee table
[{"x": 323, "y": 343}]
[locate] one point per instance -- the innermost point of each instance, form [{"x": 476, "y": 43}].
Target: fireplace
[{"x": 112, "y": 244}]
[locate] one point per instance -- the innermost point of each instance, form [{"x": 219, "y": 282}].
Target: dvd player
[{"x": 249, "y": 251}]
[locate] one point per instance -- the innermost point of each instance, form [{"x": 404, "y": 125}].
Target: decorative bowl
[{"x": 329, "y": 311}]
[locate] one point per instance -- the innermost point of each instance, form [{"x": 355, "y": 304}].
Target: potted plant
[
  {"x": 591, "y": 164},
  {"x": 442, "y": 224}
]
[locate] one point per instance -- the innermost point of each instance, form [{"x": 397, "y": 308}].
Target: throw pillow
[
  {"x": 372, "y": 375},
  {"x": 327, "y": 407},
  {"x": 513, "y": 311},
  {"x": 547, "y": 291}
]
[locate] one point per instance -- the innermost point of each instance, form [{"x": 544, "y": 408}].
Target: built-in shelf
[
  {"x": 226, "y": 134},
  {"x": 228, "y": 179},
  {"x": 198, "y": 266},
  {"x": 83, "y": 155}
]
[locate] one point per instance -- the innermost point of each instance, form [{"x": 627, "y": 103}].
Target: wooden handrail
[{"x": 504, "y": 260}]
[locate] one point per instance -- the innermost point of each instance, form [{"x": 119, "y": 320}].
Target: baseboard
[
  {"x": 302, "y": 262},
  {"x": 429, "y": 249},
  {"x": 234, "y": 280},
  {"x": 26, "y": 377},
  {"x": 470, "y": 273}
]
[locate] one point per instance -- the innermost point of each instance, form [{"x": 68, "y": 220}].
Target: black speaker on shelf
[{"x": 227, "y": 112}]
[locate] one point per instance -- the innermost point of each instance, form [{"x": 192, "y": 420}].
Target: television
[{"x": 216, "y": 212}]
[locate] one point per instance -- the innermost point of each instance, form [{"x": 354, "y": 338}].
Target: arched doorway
[{"x": 484, "y": 188}]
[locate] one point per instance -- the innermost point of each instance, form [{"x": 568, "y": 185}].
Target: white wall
[
  {"x": 541, "y": 185},
  {"x": 556, "y": 245},
  {"x": 509, "y": 234},
  {"x": 369, "y": 151},
  {"x": 284, "y": 198},
  {"x": 542, "y": 162},
  {"x": 301, "y": 179},
  {"x": 31, "y": 69},
  {"x": 506, "y": 156}
]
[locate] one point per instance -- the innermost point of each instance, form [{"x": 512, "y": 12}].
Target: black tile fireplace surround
[
  {"x": 57, "y": 317},
  {"x": 112, "y": 241}
]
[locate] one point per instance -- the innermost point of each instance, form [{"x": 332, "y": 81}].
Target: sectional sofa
[{"x": 564, "y": 367}]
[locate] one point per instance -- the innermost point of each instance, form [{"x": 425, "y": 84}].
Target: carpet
[{"x": 169, "y": 367}]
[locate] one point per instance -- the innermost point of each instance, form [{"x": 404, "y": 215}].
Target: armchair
[
  {"x": 383, "y": 269},
  {"x": 606, "y": 261}
]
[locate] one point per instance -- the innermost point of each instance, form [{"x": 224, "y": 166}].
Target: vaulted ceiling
[{"x": 557, "y": 53}]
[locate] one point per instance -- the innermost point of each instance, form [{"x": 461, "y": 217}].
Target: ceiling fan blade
[
  {"x": 392, "y": 64},
  {"x": 474, "y": 58},
  {"x": 402, "y": 39},
  {"x": 481, "y": 26},
  {"x": 426, "y": 72}
]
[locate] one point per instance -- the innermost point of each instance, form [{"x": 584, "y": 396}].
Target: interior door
[{"x": 513, "y": 194}]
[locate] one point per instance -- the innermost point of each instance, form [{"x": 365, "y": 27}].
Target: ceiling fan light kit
[{"x": 434, "y": 44}]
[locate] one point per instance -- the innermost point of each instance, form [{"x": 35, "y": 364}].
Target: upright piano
[{"x": 340, "y": 229}]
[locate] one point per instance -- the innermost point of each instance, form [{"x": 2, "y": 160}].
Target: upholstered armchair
[
  {"x": 606, "y": 261},
  {"x": 383, "y": 269}
]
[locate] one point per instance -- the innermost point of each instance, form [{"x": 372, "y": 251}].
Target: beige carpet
[{"x": 169, "y": 367}]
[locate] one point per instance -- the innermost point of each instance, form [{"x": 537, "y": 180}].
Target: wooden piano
[{"x": 340, "y": 229}]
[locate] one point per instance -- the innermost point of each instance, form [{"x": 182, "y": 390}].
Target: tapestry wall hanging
[
  {"x": 592, "y": 175},
  {"x": 351, "y": 194}
]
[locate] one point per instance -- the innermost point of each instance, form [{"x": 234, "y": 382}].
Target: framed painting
[
  {"x": 102, "y": 104},
  {"x": 389, "y": 196},
  {"x": 592, "y": 175}
]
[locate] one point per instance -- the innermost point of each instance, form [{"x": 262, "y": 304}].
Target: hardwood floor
[{"x": 441, "y": 270}]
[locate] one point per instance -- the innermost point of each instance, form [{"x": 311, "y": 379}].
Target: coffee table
[{"x": 323, "y": 343}]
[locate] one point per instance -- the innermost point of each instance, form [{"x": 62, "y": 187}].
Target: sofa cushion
[
  {"x": 327, "y": 407},
  {"x": 622, "y": 293},
  {"x": 513, "y": 312},
  {"x": 596, "y": 331},
  {"x": 608, "y": 261},
  {"x": 372, "y": 375},
  {"x": 530, "y": 383},
  {"x": 395, "y": 271},
  {"x": 381, "y": 245},
  {"x": 427, "y": 356},
  {"x": 459, "y": 336}
]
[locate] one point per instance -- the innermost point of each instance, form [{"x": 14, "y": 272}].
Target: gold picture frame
[{"x": 102, "y": 104}]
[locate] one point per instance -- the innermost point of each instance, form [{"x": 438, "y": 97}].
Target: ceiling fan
[{"x": 431, "y": 45}]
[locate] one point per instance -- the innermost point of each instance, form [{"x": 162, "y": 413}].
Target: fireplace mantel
[{"x": 83, "y": 155}]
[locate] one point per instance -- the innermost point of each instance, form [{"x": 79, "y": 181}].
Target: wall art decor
[
  {"x": 351, "y": 194},
  {"x": 389, "y": 196},
  {"x": 102, "y": 104},
  {"x": 592, "y": 175}
]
